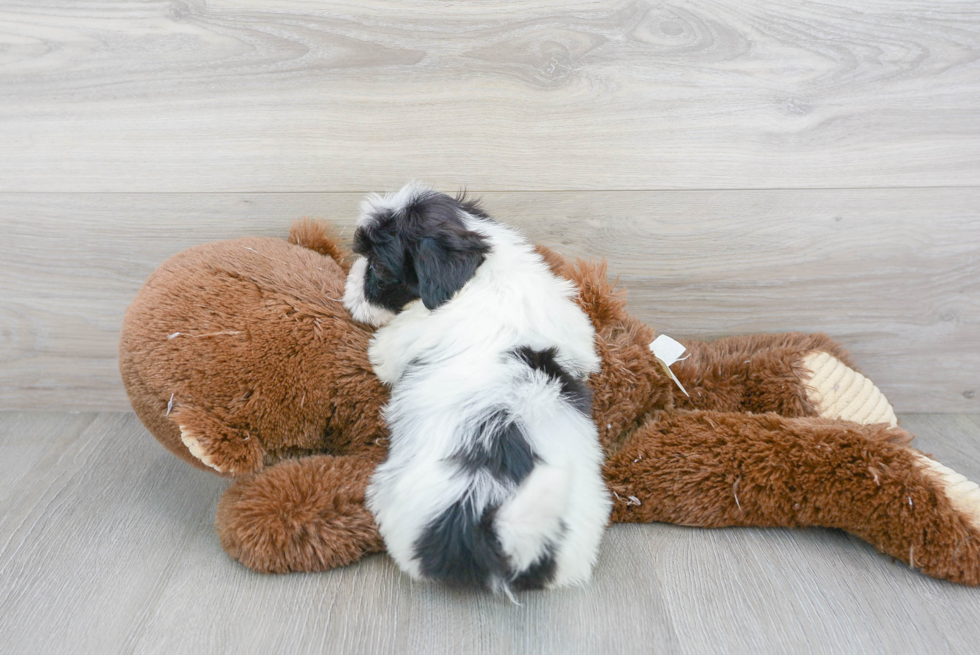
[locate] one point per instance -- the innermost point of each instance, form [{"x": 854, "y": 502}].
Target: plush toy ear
[{"x": 443, "y": 264}]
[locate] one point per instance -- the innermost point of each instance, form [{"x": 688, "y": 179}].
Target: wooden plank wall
[{"x": 745, "y": 166}]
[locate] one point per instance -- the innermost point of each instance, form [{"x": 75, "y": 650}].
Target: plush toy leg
[
  {"x": 300, "y": 515},
  {"x": 791, "y": 374},
  {"x": 217, "y": 444},
  {"x": 714, "y": 469}
]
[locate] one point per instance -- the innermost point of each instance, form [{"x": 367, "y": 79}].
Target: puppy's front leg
[{"x": 392, "y": 350}]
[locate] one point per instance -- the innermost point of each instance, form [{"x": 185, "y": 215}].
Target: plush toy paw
[
  {"x": 963, "y": 494},
  {"x": 943, "y": 532},
  {"x": 300, "y": 515},
  {"x": 193, "y": 443},
  {"x": 839, "y": 392},
  {"x": 226, "y": 450}
]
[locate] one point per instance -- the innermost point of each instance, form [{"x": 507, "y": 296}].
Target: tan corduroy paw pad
[
  {"x": 838, "y": 391},
  {"x": 963, "y": 494},
  {"x": 197, "y": 450}
]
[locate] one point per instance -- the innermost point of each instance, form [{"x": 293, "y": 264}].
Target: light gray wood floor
[{"x": 107, "y": 546}]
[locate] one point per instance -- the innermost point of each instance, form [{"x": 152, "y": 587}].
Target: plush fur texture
[
  {"x": 225, "y": 339},
  {"x": 715, "y": 469},
  {"x": 669, "y": 458},
  {"x": 295, "y": 511},
  {"x": 493, "y": 476}
]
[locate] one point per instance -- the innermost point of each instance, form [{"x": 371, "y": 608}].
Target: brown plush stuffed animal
[{"x": 240, "y": 358}]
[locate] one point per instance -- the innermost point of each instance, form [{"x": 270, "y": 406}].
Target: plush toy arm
[
  {"x": 792, "y": 374},
  {"x": 714, "y": 469},
  {"x": 300, "y": 515}
]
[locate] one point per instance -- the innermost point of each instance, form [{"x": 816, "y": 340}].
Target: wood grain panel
[
  {"x": 107, "y": 546},
  {"x": 894, "y": 274},
  {"x": 248, "y": 95}
]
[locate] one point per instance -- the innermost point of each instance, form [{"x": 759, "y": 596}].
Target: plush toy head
[{"x": 238, "y": 353}]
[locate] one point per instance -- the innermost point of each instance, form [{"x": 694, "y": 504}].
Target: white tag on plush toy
[{"x": 668, "y": 351}]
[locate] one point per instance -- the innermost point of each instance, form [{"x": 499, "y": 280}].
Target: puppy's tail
[{"x": 529, "y": 528}]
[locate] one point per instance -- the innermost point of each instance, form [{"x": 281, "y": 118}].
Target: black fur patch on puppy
[
  {"x": 422, "y": 250},
  {"x": 574, "y": 390},
  {"x": 461, "y": 549},
  {"x": 507, "y": 455}
]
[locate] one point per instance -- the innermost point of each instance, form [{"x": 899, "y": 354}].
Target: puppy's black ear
[{"x": 445, "y": 262}]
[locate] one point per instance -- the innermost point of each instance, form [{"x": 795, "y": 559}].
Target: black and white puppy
[{"x": 493, "y": 477}]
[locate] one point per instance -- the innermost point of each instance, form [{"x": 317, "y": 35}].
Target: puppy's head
[{"x": 413, "y": 244}]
